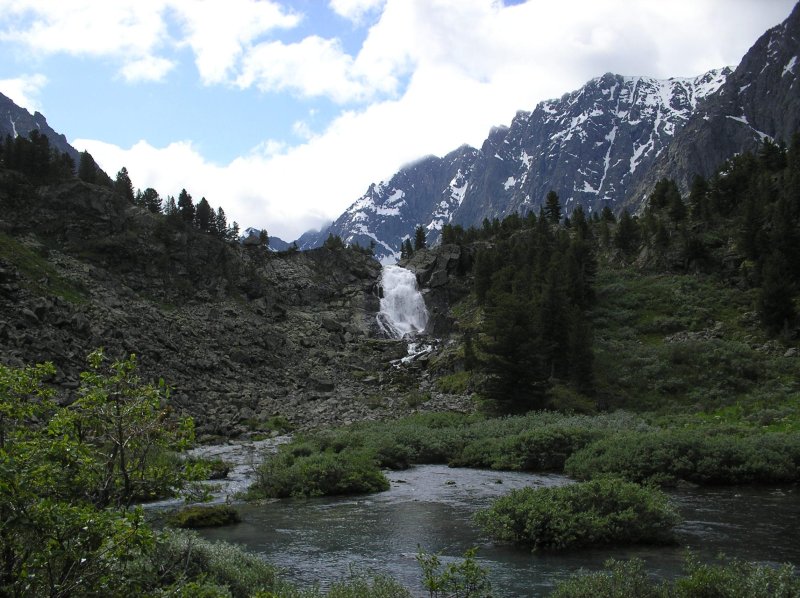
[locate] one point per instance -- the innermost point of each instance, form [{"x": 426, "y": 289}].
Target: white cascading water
[{"x": 403, "y": 309}]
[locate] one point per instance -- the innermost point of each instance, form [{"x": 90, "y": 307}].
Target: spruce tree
[
  {"x": 186, "y": 207},
  {"x": 87, "y": 169},
  {"x": 203, "y": 215},
  {"x": 552, "y": 209},
  {"x": 123, "y": 185},
  {"x": 419, "y": 238}
]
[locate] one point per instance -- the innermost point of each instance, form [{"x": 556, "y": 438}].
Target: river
[{"x": 318, "y": 540}]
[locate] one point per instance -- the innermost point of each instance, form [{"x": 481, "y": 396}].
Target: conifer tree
[
  {"x": 123, "y": 185},
  {"x": 87, "y": 169},
  {"x": 627, "y": 235},
  {"x": 221, "y": 223},
  {"x": 186, "y": 207},
  {"x": 203, "y": 215},
  {"x": 151, "y": 200},
  {"x": 552, "y": 208},
  {"x": 419, "y": 238}
]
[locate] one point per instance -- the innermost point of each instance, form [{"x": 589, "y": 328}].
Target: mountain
[
  {"x": 251, "y": 236},
  {"x": 605, "y": 144},
  {"x": 760, "y": 99},
  {"x": 18, "y": 121},
  {"x": 590, "y": 146}
]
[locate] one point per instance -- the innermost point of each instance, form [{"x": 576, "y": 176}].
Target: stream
[{"x": 430, "y": 506}]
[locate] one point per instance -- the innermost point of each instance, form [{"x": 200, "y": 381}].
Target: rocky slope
[{"x": 241, "y": 334}]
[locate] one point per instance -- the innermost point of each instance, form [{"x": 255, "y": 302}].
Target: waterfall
[{"x": 402, "y": 306}]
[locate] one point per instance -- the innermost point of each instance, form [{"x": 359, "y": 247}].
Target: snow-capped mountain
[
  {"x": 589, "y": 146},
  {"x": 605, "y": 144},
  {"x": 760, "y": 99}
]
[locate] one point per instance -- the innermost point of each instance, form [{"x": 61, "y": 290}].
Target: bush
[
  {"x": 606, "y": 511},
  {"x": 181, "y": 557},
  {"x": 211, "y": 516},
  {"x": 624, "y": 579},
  {"x": 707, "y": 456},
  {"x": 317, "y": 474},
  {"x": 628, "y": 579}
]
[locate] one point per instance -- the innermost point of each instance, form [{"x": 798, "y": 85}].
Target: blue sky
[{"x": 283, "y": 112}]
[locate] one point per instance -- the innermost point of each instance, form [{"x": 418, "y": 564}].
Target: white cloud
[
  {"x": 24, "y": 90},
  {"x": 313, "y": 67},
  {"x": 220, "y": 32},
  {"x": 354, "y": 10},
  {"x": 148, "y": 68},
  {"x": 446, "y": 72}
]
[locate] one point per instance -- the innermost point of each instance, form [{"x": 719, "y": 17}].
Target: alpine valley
[{"x": 584, "y": 355}]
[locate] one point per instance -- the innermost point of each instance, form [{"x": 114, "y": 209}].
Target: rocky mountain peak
[{"x": 590, "y": 146}]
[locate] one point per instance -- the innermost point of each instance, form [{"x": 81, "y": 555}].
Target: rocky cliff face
[
  {"x": 18, "y": 121},
  {"x": 760, "y": 99},
  {"x": 242, "y": 334},
  {"x": 604, "y": 144},
  {"x": 590, "y": 146}
]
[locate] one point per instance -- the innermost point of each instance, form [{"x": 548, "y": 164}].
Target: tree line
[{"x": 42, "y": 164}]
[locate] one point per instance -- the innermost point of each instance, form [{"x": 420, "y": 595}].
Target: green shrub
[
  {"x": 624, "y": 579},
  {"x": 702, "y": 455},
  {"x": 364, "y": 587},
  {"x": 181, "y": 557},
  {"x": 317, "y": 474},
  {"x": 209, "y": 516},
  {"x": 462, "y": 579},
  {"x": 605, "y": 511},
  {"x": 737, "y": 579}
]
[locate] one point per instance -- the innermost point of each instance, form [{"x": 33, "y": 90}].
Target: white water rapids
[{"x": 403, "y": 309}]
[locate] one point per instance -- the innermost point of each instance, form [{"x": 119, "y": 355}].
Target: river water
[{"x": 318, "y": 540}]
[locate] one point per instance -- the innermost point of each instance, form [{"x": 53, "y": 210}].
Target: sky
[{"x": 283, "y": 112}]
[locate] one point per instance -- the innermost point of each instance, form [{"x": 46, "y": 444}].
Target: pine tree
[
  {"x": 627, "y": 235},
  {"x": 123, "y": 185},
  {"x": 151, "y": 200},
  {"x": 203, "y": 215},
  {"x": 221, "y": 224},
  {"x": 409, "y": 250},
  {"x": 552, "y": 209},
  {"x": 419, "y": 238},
  {"x": 186, "y": 207},
  {"x": 87, "y": 169}
]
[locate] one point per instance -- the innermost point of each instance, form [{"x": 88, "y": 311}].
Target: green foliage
[
  {"x": 36, "y": 159},
  {"x": 668, "y": 340},
  {"x": 600, "y": 512},
  {"x": 735, "y": 579},
  {"x": 463, "y": 579},
  {"x": 623, "y": 579},
  {"x": 299, "y": 472},
  {"x": 204, "y": 516},
  {"x": 535, "y": 284},
  {"x": 181, "y": 559},
  {"x": 702, "y": 455},
  {"x": 68, "y": 475},
  {"x": 419, "y": 238},
  {"x": 37, "y": 274}
]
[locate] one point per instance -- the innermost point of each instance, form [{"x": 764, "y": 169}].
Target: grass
[
  {"x": 713, "y": 363},
  {"x": 38, "y": 275}
]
